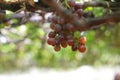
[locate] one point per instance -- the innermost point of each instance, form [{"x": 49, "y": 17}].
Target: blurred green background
[{"x": 24, "y": 46}]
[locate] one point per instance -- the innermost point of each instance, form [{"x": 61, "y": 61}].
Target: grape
[
  {"x": 54, "y": 19},
  {"x": 69, "y": 37},
  {"x": 70, "y": 42},
  {"x": 61, "y": 37},
  {"x": 79, "y": 12},
  {"x": 82, "y": 48},
  {"x": 74, "y": 47},
  {"x": 71, "y": 3},
  {"x": 57, "y": 48},
  {"x": 82, "y": 40},
  {"x": 64, "y": 44},
  {"x": 77, "y": 6},
  {"x": 52, "y": 26},
  {"x": 70, "y": 27},
  {"x": 63, "y": 33},
  {"x": 73, "y": 10},
  {"x": 58, "y": 28},
  {"x": 57, "y": 41},
  {"x": 60, "y": 21},
  {"x": 51, "y": 41},
  {"x": 51, "y": 34}
]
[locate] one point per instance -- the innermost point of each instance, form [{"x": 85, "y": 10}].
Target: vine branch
[{"x": 82, "y": 25}]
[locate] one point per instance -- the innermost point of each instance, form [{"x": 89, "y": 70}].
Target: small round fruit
[
  {"x": 51, "y": 41},
  {"x": 77, "y": 6},
  {"x": 74, "y": 48},
  {"x": 54, "y": 19},
  {"x": 52, "y": 26},
  {"x": 70, "y": 27},
  {"x": 79, "y": 12},
  {"x": 82, "y": 48},
  {"x": 51, "y": 34},
  {"x": 71, "y": 3},
  {"x": 70, "y": 42},
  {"x": 57, "y": 48},
  {"x": 82, "y": 40},
  {"x": 61, "y": 21},
  {"x": 58, "y": 28},
  {"x": 57, "y": 41},
  {"x": 64, "y": 44}
]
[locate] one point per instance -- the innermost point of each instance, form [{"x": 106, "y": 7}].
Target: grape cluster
[{"x": 65, "y": 34}]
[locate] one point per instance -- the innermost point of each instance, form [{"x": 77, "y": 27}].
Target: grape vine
[{"x": 68, "y": 19}]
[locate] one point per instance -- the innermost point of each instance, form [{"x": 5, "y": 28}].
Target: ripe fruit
[
  {"x": 77, "y": 6},
  {"x": 82, "y": 48},
  {"x": 79, "y": 12},
  {"x": 52, "y": 26},
  {"x": 82, "y": 40},
  {"x": 64, "y": 32},
  {"x": 54, "y": 19},
  {"x": 51, "y": 41},
  {"x": 70, "y": 42},
  {"x": 70, "y": 27},
  {"x": 74, "y": 48},
  {"x": 64, "y": 44},
  {"x": 60, "y": 21},
  {"x": 71, "y": 3},
  {"x": 58, "y": 28},
  {"x": 57, "y": 48},
  {"x": 51, "y": 34}
]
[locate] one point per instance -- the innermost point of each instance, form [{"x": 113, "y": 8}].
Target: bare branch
[{"x": 91, "y": 23}]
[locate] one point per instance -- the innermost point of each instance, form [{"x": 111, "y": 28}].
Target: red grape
[
  {"x": 57, "y": 48},
  {"x": 74, "y": 48},
  {"x": 57, "y": 41},
  {"x": 52, "y": 26},
  {"x": 70, "y": 42},
  {"x": 60, "y": 21},
  {"x": 64, "y": 44},
  {"x": 69, "y": 37},
  {"x": 71, "y": 27},
  {"x": 71, "y": 3},
  {"x": 58, "y": 28},
  {"x": 82, "y": 40},
  {"x": 77, "y": 6},
  {"x": 51, "y": 34},
  {"x": 82, "y": 48},
  {"x": 63, "y": 33},
  {"x": 51, "y": 41},
  {"x": 79, "y": 12},
  {"x": 54, "y": 19}
]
